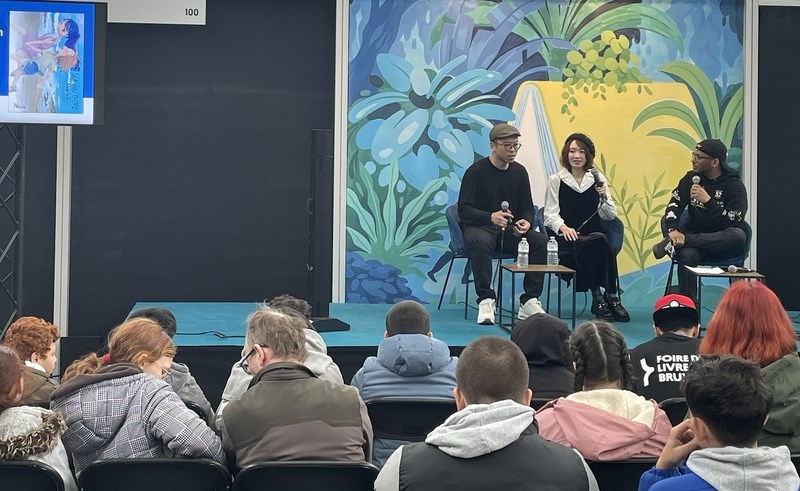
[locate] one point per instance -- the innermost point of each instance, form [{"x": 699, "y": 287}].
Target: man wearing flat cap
[
  {"x": 716, "y": 202},
  {"x": 487, "y": 226}
]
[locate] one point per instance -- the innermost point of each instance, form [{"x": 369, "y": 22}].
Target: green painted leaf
[
  {"x": 359, "y": 240},
  {"x": 698, "y": 83},
  {"x": 731, "y": 116},
  {"x": 670, "y": 108},
  {"x": 629, "y": 16}
]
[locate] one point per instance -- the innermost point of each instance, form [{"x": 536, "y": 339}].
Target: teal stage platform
[{"x": 211, "y": 334}]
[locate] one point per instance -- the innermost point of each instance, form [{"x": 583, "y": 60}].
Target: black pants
[
  {"x": 592, "y": 259},
  {"x": 700, "y": 247},
  {"x": 481, "y": 242}
]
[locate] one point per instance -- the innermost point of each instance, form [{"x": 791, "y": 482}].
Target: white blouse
[{"x": 552, "y": 218}]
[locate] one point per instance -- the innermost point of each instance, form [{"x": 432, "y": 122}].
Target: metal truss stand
[{"x": 11, "y": 216}]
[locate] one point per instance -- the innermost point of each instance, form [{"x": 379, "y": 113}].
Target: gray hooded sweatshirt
[
  {"x": 476, "y": 430},
  {"x": 745, "y": 469}
]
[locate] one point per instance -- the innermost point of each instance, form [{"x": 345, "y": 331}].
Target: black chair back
[
  {"x": 676, "y": 409},
  {"x": 155, "y": 475},
  {"x": 407, "y": 419},
  {"x": 538, "y": 402},
  {"x": 30, "y": 476},
  {"x": 197, "y": 410},
  {"x": 620, "y": 475},
  {"x": 300, "y": 475}
]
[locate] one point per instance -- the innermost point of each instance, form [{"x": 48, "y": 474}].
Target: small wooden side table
[{"x": 532, "y": 268}]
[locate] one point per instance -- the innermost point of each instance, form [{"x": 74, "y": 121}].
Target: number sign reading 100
[{"x": 157, "y": 11}]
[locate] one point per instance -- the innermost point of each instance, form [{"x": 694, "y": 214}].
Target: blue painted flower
[{"x": 421, "y": 112}]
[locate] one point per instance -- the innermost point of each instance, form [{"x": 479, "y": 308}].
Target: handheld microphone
[
  {"x": 737, "y": 269},
  {"x": 598, "y": 181},
  {"x": 695, "y": 180},
  {"x": 504, "y": 207}
]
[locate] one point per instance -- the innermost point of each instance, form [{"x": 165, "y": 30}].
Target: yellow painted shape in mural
[{"x": 608, "y": 122}]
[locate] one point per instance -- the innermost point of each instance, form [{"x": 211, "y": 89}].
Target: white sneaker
[
  {"x": 486, "y": 311},
  {"x": 532, "y": 306}
]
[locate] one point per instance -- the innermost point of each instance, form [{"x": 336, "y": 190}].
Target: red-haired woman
[
  {"x": 28, "y": 432},
  {"x": 750, "y": 322},
  {"x": 119, "y": 405}
]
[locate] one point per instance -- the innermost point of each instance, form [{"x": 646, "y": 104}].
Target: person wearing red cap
[
  {"x": 659, "y": 364},
  {"x": 716, "y": 201}
]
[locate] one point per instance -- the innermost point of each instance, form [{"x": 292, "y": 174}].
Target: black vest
[
  {"x": 531, "y": 462},
  {"x": 576, "y": 207}
]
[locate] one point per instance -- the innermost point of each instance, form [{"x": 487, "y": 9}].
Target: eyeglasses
[
  {"x": 510, "y": 146},
  {"x": 243, "y": 362},
  {"x": 696, "y": 157},
  {"x": 165, "y": 372}
]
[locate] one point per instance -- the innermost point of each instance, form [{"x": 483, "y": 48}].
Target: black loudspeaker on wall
[{"x": 320, "y": 232}]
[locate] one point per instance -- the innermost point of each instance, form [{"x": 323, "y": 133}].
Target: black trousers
[
  {"x": 701, "y": 247},
  {"x": 481, "y": 242},
  {"x": 592, "y": 259}
]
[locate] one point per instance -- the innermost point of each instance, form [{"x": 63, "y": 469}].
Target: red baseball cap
[{"x": 675, "y": 303}]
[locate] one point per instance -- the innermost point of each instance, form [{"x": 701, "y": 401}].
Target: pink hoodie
[{"x": 606, "y": 424}]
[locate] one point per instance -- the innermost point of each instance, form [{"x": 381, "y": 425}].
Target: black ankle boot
[
  {"x": 617, "y": 310},
  {"x": 600, "y": 310}
]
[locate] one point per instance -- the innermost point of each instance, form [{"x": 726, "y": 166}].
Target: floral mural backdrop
[{"x": 428, "y": 78}]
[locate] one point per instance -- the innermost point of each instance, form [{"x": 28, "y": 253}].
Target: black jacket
[{"x": 726, "y": 208}]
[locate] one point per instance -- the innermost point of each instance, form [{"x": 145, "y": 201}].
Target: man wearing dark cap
[
  {"x": 486, "y": 185},
  {"x": 716, "y": 201},
  {"x": 659, "y": 364}
]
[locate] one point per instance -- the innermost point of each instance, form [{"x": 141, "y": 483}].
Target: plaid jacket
[{"x": 122, "y": 412}]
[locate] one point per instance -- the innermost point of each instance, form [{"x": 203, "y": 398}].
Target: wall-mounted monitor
[{"x": 52, "y": 58}]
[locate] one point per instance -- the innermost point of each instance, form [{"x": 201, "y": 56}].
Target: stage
[{"x": 211, "y": 334}]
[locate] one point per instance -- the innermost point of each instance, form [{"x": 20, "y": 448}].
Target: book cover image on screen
[{"x": 52, "y": 55}]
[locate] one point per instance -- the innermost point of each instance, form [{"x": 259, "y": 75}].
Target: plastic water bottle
[
  {"x": 552, "y": 252},
  {"x": 522, "y": 253}
]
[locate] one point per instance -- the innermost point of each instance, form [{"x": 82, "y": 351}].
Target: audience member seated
[
  {"x": 410, "y": 363},
  {"x": 603, "y": 419},
  {"x": 288, "y": 413},
  {"x": 179, "y": 377},
  {"x": 28, "y": 432},
  {"x": 34, "y": 340},
  {"x": 491, "y": 442},
  {"x": 659, "y": 364},
  {"x": 317, "y": 360},
  {"x": 119, "y": 406},
  {"x": 729, "y": 401},
  {"x": 750, "y": 323},
  {"x": 544, "y": 340}
]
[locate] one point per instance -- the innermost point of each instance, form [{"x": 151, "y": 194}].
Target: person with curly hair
[
  {"x": 34, "y": 340},
  {"x": 28, "y": 432},
  {"x": 603, "y": 419}
]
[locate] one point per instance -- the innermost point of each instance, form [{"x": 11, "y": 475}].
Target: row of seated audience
[{"x": 127, "y": 403}]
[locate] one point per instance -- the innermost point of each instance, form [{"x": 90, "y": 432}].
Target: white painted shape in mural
[{"x": 537, "y": 153}]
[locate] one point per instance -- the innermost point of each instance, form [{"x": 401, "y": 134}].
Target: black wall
[
  {"x": 778, "y": 169},
  {"x": 195, "y": 187}
]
